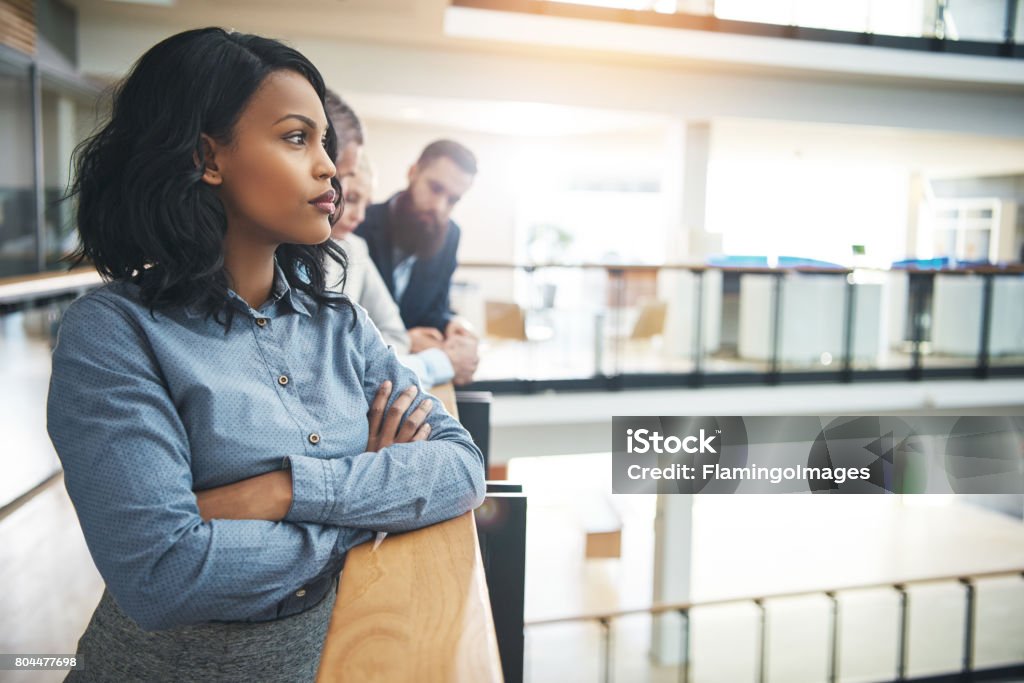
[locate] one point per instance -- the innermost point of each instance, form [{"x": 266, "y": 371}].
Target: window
[{"x": 17, "y": 171}]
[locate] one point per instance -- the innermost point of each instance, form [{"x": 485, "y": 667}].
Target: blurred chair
[
  {"x": 650, "y": 322},
  {"x": 505, "y": 320}
]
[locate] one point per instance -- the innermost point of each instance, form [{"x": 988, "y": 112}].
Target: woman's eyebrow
[{"x": 305, "y": 119}]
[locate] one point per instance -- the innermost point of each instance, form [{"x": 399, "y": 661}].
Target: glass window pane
[
  {"x": 838, "y": 15},
  {"x": 68, "y": 118},
  {"x": 898, "y": 17},
  {"x": 983, "y": 20},
  {"x": 17, "y": 187}
]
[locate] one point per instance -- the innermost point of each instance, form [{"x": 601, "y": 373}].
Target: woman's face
[
  {"x": 356, "y": 188},
  {"x": 274, "y": 177}
]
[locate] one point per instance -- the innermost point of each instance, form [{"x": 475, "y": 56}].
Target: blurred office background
[{"x": 701, "y": 207}]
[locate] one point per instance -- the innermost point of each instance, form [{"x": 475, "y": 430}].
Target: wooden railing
[
  {"x": 415, "y": 608},
  {"x": 445, "y": 393},
  {"x": 40, "y": 286}
]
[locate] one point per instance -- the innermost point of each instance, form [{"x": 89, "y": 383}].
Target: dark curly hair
[{"x": 144, "y": 214}]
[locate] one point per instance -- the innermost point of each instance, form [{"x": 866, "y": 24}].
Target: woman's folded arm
[
  {"x": 403, "y": 486},
  {"x": 127, "y": 469}
]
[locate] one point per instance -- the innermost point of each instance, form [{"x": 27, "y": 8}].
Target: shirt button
[
  {"x": 314, "y": 438},
  {"x": 282, "y": 380},
  {"x": 301, "y": 592},
  {"x": 262, "y": 322}
]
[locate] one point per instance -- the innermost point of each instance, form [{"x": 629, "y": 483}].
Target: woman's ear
[{"x": 211, "y": 171}]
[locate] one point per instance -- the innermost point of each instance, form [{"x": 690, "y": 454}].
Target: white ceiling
[
  {"x": 396, "y": 20},
  {"x": 526, "y": 119}
]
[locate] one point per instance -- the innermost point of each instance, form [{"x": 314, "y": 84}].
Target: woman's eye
[{"x": 296, "y": 138}]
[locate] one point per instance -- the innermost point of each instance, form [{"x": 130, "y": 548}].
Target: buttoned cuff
[
  {"x": 312, "y": 489},
  {"x": 438, "y": 368}
]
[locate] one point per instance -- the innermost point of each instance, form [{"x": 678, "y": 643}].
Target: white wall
[{"x": 485, "y": 213}]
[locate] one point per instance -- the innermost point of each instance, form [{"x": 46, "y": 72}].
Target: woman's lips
[{"x": 325, "y": 202}]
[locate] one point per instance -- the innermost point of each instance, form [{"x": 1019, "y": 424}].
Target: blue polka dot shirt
[{"x": 143, "y": 410}]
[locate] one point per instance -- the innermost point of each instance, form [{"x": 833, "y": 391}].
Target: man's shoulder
[
  {"x": 453, "y": 230},
  {"x": 451, "y": 240},
  {"x": 374, "y": 221}
]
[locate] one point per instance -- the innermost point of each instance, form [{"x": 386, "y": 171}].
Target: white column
[
  {"x": 688, "y": 149},
  {"x": 696, "y": 155},
  {"x": 673, "y": 541},
  {"x": 673, "y": 526}
]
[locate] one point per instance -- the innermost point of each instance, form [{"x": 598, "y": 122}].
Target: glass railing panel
[
  {"x": 582, "y": 322},
  {"x": 889, "y": 291},
  {"x": 954, "y": 321},
  {"x": 811, "y": 322},
  {"x": 536, "y": 323},
  {"x": 665, "y": 337},
  {"x": 755, "y": 321},
  {"x": 1006, "y": 321}
]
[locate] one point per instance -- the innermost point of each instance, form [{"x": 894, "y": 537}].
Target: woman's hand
[
  {"x": 267, "y": 496},
  {"x": 388, "y": 427}
]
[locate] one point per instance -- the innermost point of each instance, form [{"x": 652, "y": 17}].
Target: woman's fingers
[
  {"x": 423, "y": 433},
  {"x": 391, "y": 425},
  {"x": 393, "y": 419},
  {"x": 414, "y": 421},
  {"x": 380, "y": 402}
]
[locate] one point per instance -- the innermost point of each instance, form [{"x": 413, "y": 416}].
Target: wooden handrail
[
  {"x": 416, "y": 608},
  {"x": 41, "y": 285},
  {"x": 446, "y": 394}
]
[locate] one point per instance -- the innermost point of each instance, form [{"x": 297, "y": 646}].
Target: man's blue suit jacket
[{"x": 425, "y": 301}]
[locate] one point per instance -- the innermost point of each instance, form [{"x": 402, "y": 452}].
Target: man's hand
[
  {"x": 423, "y": 338},
  {"x": 267, "y": 496},
  {"x": 386, "y": 424},
  {"x": 458, "y": 327},
  {"x": 462, "y": 351}
]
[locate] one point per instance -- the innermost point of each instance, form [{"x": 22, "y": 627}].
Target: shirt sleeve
[
  {"x": 403, "y": 486},
  {"x": 127, "y": 469},
  {"x": 432, "y": 366},
  {"x": 382, "y": 309}
]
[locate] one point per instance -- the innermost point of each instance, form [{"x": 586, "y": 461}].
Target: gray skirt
[{"x": 288, "y": 650}]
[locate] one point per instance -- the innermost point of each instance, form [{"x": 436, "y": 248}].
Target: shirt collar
[{"x": 279, "y": 291}]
